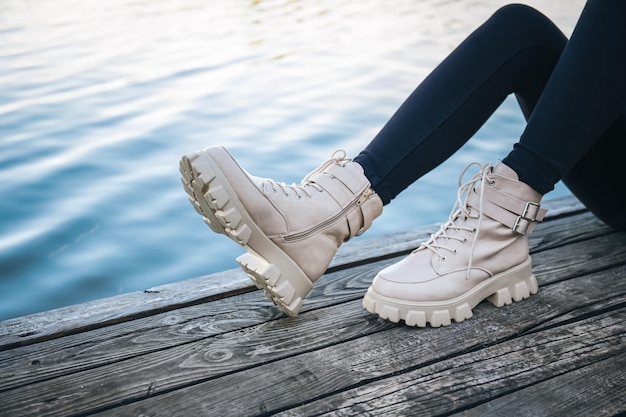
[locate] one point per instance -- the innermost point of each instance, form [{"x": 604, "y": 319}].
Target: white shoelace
[
  {"x": 303, "y": 189},
  {"x": 460, "y": 210}
]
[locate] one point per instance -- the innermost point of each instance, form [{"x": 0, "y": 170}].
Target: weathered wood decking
[{"x": 213, "y": 346}]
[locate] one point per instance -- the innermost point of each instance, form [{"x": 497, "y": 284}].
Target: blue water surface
[{"x": 99, "y": 99}]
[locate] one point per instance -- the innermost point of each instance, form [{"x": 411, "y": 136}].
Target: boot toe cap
[{"x": 414, "y": 280}]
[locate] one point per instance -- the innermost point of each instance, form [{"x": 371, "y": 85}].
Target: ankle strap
[
  {"x": 369, "y": 206},
  {"x": 519, "y": 215}
]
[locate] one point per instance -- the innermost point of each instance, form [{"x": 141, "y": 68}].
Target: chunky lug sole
[
  {"x": 514, "y": 284},
  {"x": 266, "y": 264}
]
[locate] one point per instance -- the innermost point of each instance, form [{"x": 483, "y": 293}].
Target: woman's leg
[
  {"x": 482, "y": 251},
  {"x": 515, "y": 51},
  {"x": 598, "y": 176},
  {"x": 574, "y": 122},
  {"x": 579, "y": 120}
]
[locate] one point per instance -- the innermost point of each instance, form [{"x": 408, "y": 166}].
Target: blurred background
[{"x": 99, "y": 100}]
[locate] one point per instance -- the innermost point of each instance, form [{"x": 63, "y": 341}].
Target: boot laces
[
  {"x": 461, "y": 211},
  {"x": 303, "y": 189}
]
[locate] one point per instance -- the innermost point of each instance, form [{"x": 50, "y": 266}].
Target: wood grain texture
[
  {"x": 130, "y": 339},
  {"x": 476, "y": 377},
  {"x": 365, "y": 349},
  {"x": 597, "y": 390}
]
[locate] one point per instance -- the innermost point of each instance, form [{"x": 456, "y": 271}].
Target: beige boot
[
  {"x": 290, "y": 232},
  {"x": 481, "y": 252}
]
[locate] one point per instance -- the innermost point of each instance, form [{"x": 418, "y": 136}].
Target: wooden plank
[
  {"x": 82, "y": 317},
  {"x": 595, "y": 390},
  {"x": 566, "y": 230},
  {"x": 85, "y": 350},
  {"x": 466, "y": 380},
  {"x": 335, "y": 358},
  {"x": 581, "y": 257},
  {"x": 565, "y": 205},
  {"x": 72, "y": 319},
  {"x": 117, "y": 342}
]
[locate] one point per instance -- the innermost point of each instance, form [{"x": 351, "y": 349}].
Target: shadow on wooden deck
[{"x": 214, "y": 346}]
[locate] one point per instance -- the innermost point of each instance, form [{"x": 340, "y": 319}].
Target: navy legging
[{"x": 572, "y": 94}]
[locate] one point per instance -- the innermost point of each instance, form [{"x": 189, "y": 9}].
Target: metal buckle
[
  {"x": 527, "y": 216},
  {"x": 517, "y": 224}
]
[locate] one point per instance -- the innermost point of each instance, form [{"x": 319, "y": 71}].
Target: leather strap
[{"x": 521, "y": 216}]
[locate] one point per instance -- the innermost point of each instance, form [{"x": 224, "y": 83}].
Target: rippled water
[{"x": 99, "y": 99}]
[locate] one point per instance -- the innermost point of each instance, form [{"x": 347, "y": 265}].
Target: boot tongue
[{"x": 505, "y": 171}]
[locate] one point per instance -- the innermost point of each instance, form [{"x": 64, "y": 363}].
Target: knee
[
  {"x": 523, "y": 17},
  {"x": 525, "y": 22},
  {"x": 514, "y": 13}
]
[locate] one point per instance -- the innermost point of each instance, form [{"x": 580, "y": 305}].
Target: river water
[{"x": 99, "y": 99}]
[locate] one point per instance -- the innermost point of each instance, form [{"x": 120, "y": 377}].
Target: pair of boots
[{"x": 292, "y": 232}]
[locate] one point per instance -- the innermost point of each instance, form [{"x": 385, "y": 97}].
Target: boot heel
[
  {"x": 267, "y": 277},
  {"x": 514, "y": 292}
]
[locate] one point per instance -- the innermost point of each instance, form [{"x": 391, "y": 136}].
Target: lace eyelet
[
  {"x": 492, "y": 182},
  {"x": 443, "y": 258},
  {"x": 464, "y": 241},
  {"x": 454, "y": 252},
  {"x": 473, "y": 230}
]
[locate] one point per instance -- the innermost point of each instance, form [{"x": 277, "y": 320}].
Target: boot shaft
[{"x": 492, "y": 223}]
